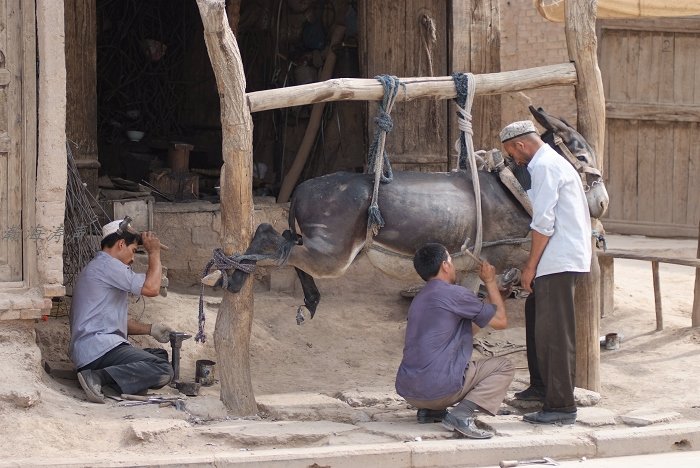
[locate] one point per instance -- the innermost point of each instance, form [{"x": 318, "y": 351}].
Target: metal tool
[
  {"x": 125, "y": 226},
  {"x": 538, "y": 461},
  {"x": 138, "y": 400},
  {"x": 176, "y": 339}
]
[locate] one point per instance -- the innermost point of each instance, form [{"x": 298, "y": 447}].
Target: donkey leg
[
  {"x": 267, "y": 242},
  {"x": 311, "y": 295}
]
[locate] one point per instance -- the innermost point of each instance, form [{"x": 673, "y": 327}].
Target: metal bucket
[{"x": 204, "y": 372}]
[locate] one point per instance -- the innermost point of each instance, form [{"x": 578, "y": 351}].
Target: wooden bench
[{"x": 606, "y": 261}]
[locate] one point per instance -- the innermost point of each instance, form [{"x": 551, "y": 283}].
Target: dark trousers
[
  {"x": 550, "y": 334},
  {"x": 133, "y": 369}
]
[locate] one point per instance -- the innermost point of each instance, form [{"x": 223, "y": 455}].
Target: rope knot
[{"x": 384, "y": 121}]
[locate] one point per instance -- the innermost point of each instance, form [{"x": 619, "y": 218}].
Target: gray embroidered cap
[{"x": 516, "y": 129}]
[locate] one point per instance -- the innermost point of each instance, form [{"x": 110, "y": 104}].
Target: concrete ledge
[
  {"x": 465, "y": 452},
  {"x": 645, "y": 440},
  {"x": 442, "y": 453}
]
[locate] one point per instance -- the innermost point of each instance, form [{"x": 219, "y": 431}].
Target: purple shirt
[{"x": 438, "y": 344}]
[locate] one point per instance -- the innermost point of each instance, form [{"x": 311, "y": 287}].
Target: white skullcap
[
  {"x": 516, "y": 129},
  {"x": 110, "y": 228}
]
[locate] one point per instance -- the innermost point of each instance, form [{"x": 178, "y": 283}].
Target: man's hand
[
  {"x": 488, "y": 272},
  {"x": 150, "y": 242},
  {"x": 527, "y": 277},
  {"x": 161, "y": 332}
]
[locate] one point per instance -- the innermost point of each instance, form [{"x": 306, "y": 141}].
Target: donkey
[{"x": 328, "y": 219}]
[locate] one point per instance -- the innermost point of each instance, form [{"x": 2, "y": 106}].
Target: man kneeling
[
  {"x": 99, "y": 319},
  {"x": 437, "y": 371}
]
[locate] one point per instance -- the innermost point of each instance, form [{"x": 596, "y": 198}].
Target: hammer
[
  {"x": 538, "y": 461},
  {"x": 125, "y": 226}
]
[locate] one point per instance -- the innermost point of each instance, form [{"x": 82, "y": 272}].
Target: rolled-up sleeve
[{"x": 544, "y": 195}]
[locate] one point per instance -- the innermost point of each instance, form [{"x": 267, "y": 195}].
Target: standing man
[
  {"x": 100, "y": 324},
  {"x": 437, "y": 370},
  {"x": 560, "y": 254}
]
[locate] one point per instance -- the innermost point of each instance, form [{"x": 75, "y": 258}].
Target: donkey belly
[{"x": 399, "y": 266}]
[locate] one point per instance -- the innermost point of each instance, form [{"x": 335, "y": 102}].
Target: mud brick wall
[
  {"x": 192, "y": 230},
  {"x": 528, "y": 40}
]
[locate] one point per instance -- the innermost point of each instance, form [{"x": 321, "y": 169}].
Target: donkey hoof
[{"x": 301, "y": 315}]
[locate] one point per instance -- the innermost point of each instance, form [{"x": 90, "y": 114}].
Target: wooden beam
[
  {"x": 649, "y": 256},
  {"x": 660, "y": 111},
  {"x": 657, "y": 295},
  {"x": 235, "y": 318},
  {"x": 441, "y": 87},
  {"x": 581, "y": 42}
]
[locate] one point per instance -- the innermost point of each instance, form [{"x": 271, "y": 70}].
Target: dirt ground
[{"x": 354, "y": 342}]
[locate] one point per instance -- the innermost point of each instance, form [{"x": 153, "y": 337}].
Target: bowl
[{"x": 134, "y": 135}]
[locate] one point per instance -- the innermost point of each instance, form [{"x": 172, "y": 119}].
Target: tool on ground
[
  {"x": 125, "y": 226},
  {"x": 538, "y": 461},
  {"x": 138, "y": 400},
  {"x": 176, "y": 339}
]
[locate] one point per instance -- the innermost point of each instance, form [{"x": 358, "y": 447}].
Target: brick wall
[{"x": 528, "y": 40}]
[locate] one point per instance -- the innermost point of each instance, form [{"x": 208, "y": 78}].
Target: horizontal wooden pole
[
  {"x": 649, "y": 256},
  {"x": 441, "y": 87},
  {"x": 658, "y": 111}
]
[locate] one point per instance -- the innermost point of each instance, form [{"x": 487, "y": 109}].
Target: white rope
[{"x": 464, "y": 120}]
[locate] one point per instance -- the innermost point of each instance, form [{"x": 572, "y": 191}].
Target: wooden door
[
  {"x": 651, "y": 76},
  {"x": 396, "y": 40},
  {"x": 11, "y": 232}
]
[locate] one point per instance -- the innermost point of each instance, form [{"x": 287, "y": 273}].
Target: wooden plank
[
  {"x": 646, "y": 156},
  {"x": 648, "y": 81},
  {"x": 616, "y": 44},
  {"x": 680, "y": 155},
  {"x": 694, "y": 174},
  {"x": 649, "y": 256},
  {"x": 81, "y": 84},
  {"x": 442, "y": 87},
  {"x": 629, "y": 168},
  {"x": 666, "y": 71},
  {"x": 691, "y": 24},
  {"x": 696, "y": 81},
  {"x": 633, "y": 74},
  {"x": 663, "y": 195},
  {"x": 661, "y": 111},
  {"x": 615, "y": 174},
  {"x": 474, "y": 46},
  {"x": 684, "y": 67},
  {"x": 641, "y": 228}
]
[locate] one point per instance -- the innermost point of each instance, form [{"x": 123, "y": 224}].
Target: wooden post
[
  {"x": 657, "y": 295},
  {"x": 81, "y": 87},
  {"x": 235, "y": 318},
  {"x": 590, "y": 102},
  {"x": 475, "y": 47},
  {"x": 696, "y": 297},
  {"x": 607, "y": 285}
]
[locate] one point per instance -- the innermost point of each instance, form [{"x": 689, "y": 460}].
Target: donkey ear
[{"x": 543, "y": 118}]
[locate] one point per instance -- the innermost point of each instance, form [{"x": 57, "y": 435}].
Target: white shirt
[
  {"x": 100, "y": 307},
  {"x": 560, "y": 212}
]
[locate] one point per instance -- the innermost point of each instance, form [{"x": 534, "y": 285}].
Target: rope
[
  {"x": 429, "y": 39},
  {"x": 377, "y": 159},
  {"x": 464, "y": 85},
  {"x": 222, "y": 262}
]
